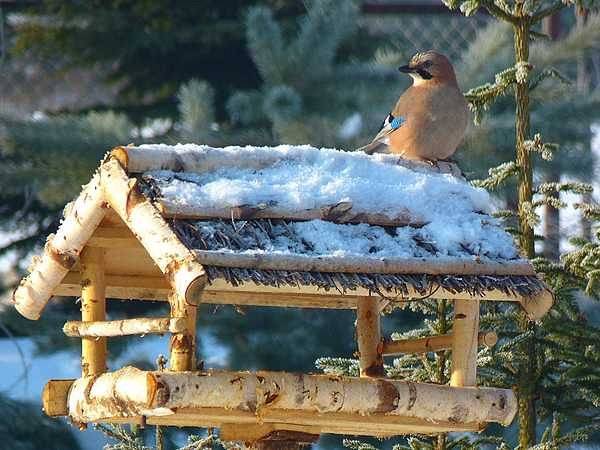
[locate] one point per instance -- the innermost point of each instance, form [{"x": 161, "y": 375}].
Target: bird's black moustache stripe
[{"x": 424, "y": 74}]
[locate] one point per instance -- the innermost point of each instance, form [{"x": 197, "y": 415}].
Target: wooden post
[
  {"x": 183, "y": 344},
  {"x": 464, "y": 343},
  {"x": 368, "y": 335},
  {"x": 93, "y": 309}
]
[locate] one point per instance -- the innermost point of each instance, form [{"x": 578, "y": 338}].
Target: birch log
[
  {"x": 433, "y": 343},
  {"x": 341, "y": 212},
  {"x": 368, "y": 337},
  {"x": 93, "y": 308},
  {"x": 363, "y": 264},
  {"x": 132, "y": 392},
  {"x": 183, "y": 343},
  {"x": 204, "y": 159},
  {"x": 62, "y": 250},
  {"x": 185, "y": 274},
  {"x": 463, "y": 370},
  {"x": 125, "y": 327}
]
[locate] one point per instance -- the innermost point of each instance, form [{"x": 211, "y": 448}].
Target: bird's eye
[{"x": 427, "y": 63}]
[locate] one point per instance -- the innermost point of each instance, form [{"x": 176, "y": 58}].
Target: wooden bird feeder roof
[
  {"x": 288, "y": 227},
  {"x": 323, "y": 252}
]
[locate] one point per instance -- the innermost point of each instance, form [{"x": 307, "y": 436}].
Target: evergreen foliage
[
  {"x": 150, "y": 47},
  {"x": 25, "y": 427}
]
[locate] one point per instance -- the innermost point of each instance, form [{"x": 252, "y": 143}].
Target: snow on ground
[{"x": 304, "y": 177}]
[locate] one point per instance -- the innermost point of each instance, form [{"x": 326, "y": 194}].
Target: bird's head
[{"x": 429, "y": 67}]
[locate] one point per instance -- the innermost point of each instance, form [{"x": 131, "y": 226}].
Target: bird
[{"x": 430, "y": 118}]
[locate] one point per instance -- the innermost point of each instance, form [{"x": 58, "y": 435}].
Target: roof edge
[
  {"x": 81, "y": 218},
  {"x": 358, "y": 264},
  {"x": 184, "y": 273},
  {"x": 136, "y": 159}
]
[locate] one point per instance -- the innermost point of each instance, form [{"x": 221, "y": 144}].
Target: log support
[
  {"x": 464, "y": 343},
  {"x": 93, "y": 309},
  {"x": 368, "y": 336},
  {"x": 346, "y": 405},
  {"x": 433, "y": 343},
  {"x": 183, "y": 343},
  {"x": 125, "y": 327}
]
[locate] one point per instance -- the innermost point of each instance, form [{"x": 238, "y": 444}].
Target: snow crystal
[{"x": 303, "y": 177}]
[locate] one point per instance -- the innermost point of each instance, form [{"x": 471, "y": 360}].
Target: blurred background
[{"x": 77, "y": 78}]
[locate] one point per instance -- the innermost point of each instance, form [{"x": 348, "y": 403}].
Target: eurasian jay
[{"x": 430, "y": 118}]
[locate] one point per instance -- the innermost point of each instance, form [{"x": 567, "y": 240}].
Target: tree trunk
[
  {"x": 526, "y": 386},
  {"x": 525, "y": 189}
]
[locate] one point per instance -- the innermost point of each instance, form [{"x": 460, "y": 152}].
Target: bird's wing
[{"x": 389, "y": 125}]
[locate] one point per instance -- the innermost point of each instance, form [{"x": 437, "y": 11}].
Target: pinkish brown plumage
[{"x": 430, "y": 118}]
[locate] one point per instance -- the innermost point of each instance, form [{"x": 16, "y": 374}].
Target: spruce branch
[
  {"x": 482, "y": 97},
  {"x": 545, "y": 149},
  {"x": 498, "y": 176},
  {"x": 126, "y": 440},
  {"x": 354, "y": 444},
  {"x": 338, "y": 366},
  {"x": 575, "y": 187},
  {"x": 548, "y": 73}
]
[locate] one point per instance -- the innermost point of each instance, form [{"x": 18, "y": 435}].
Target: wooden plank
[
  {"x": 93, "y": 309},
  {"x": 55, "y": 397},
  {"x": 362, "y": 264},
  {"x": 114, "y": 237},
  {"x": 463, "y": 370},
  {"x": 432, "y": 343},
  {"x": 334, "y": 423},
  {"x": 221, "y": 292}
]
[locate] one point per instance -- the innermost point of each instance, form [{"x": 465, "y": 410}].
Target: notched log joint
[{"x": 63, "y": 258}]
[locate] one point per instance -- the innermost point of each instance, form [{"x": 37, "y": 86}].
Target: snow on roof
[{"x": 449, "y": 216}]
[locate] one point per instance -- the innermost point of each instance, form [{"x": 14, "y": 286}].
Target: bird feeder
[{"x": 280, "y": 227}]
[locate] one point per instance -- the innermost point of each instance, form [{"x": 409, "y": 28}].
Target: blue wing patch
[
  {"x": 392, "y": 123},
  {"x": 396, "y": 122}
]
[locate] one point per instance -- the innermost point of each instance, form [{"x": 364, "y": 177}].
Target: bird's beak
[{"x": 422, "y": 73}]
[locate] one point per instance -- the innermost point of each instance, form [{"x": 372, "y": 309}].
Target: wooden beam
[
  {"x": 185, "y": 274},
  {"x": 55, "y": 397},
  {"x": 341, "y": 212},
  {"x": 61, "y": 252},
  {"x": 138, "y": 160},
  {"x": 362, "y": 264},
  {"x": 368, "y": 337},
  {"x": 221, "y": 292},
  {"x": 432, "y": 343},
  {"x": 125, "y": 327},
  {"x": 131, "y": 392},
  {"x": 465, "y": 330},
  {"x": 93, "y": 309}
]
